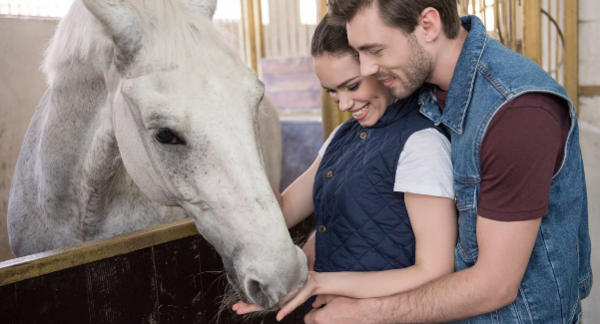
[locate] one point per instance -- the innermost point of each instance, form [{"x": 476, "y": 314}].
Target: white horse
[{"x": 150, "y": 117}]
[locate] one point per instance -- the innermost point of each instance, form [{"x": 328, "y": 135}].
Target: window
[{"x": 35, "y": 8}]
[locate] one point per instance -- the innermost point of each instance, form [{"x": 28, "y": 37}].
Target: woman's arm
[
  {"x": 434, "y": 224},
  {"x": 296, "y": 201},
  {"x": 309, "y": 250}
]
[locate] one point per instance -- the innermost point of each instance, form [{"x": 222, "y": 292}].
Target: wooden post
[
  {"x": 532, "y": 42},
  {"x": 330, "y": 113},
  {"x": 571, "y": 50},
  {"x": 253, "y": 33}
]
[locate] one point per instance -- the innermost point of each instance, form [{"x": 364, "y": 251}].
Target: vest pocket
[{"x": 466, "y": 191}]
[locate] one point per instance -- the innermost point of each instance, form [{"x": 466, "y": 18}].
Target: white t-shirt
[{"x": 424, "y": 166}]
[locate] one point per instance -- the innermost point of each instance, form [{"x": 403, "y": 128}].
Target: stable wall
[
  {"x": 589, "y": 121},
  {"x": 22, "y": 84}
]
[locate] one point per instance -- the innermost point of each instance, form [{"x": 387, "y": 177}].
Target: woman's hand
[
  {"x": 242, "y": 308},
  {"x": 310, "y": 288}
]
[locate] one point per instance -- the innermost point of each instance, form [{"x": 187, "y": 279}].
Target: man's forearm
[{"x": 456, "y": 296}]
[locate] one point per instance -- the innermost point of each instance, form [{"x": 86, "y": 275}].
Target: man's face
[{"x": 392, "y": 56}]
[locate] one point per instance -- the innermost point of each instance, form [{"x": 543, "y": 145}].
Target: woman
[{"x": 381, "y": 188}]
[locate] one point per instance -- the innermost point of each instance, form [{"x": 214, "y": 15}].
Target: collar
[
  {"x": 395, "y": 111},
  {"x": 463, "y": 80}
]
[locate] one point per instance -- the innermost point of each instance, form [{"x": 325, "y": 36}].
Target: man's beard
[{"x": 416, "y": 71}]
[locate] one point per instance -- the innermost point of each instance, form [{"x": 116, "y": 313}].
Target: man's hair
[
  {"x": 331, "y": 40},
  {"x": 403, "y": 14}
]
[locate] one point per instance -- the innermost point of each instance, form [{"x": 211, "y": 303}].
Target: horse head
[{"x": 185, "y": 108}]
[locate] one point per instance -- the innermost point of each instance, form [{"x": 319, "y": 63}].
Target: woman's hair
[{"x": 331, "y": 40}]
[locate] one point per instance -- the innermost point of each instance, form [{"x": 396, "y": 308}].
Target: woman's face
[{"x": 365, "y": 98}]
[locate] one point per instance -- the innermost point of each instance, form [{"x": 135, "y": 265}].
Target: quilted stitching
[{"x": 368, "y": 228}]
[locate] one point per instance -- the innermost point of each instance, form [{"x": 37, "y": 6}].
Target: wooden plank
[
  {"x": 260, "y": 33},
  {"x": 532, "y": 42},
  {"x": 55, "y": 298},
  {"x": 274, "y": 26},
  {"x": 303, "y": 40},
  {"x": 293, "y": 15},
  {"x": 284, "y": 36},
  {"x": 292, "y": 82},
  {"x": 298, "y": 101},
  {"x": 213, "y": 281},
  {"x": 589, "y": 91},
  {"x": 249, "y": 32},
  {"x": 8, "y": 305},
  {"x": 122, "y": 290},
  {"x": 322, "y": 9},
  {"x": 571, "y": 50},
  {"x": 178, "y": 282},
  {"x": 287, "y": 65},
  {"x": 330, "y": 114},
  {"x": 46, "y": 262}
]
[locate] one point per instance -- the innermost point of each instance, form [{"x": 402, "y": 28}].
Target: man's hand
[{"x": 329, "y": 309}]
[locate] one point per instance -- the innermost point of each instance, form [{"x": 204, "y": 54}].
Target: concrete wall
[
  {"x": 589, "y": 120},
  {"x": 21, "y": 86}
]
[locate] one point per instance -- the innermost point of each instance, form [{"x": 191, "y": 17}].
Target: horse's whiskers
[{"x": 231, "y": 296}]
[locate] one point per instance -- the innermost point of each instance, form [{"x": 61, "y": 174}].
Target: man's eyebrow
[{"x": 368, "y": 47}]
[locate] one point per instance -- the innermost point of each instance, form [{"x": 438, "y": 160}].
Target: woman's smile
[{"x": 361, "y": 113}]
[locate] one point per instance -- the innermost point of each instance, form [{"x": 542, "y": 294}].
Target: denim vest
[
  {"x": 362, "y": 224},
  {"x": 558, "y": 276}
]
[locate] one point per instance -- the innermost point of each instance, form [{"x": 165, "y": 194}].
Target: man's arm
[{"x": 493, "y": 282}]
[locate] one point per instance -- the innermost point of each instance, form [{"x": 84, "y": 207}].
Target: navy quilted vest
[{"x": 362, "y": 224}]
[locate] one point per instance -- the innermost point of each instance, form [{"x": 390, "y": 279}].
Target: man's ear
[{"x": 430, "y": 24}]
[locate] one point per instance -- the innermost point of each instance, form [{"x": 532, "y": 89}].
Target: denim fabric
[
  {"x": 558, "y": 276},
  {"x": 365, "y": 223}
]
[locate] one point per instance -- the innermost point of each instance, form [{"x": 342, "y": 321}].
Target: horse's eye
[{"x": 166, "y": 136}]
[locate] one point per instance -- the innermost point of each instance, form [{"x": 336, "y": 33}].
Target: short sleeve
[
  {"x": 425, "y": 166},
  {"x": 327, "y": 141},
  {"x": 521, "y": 151}
]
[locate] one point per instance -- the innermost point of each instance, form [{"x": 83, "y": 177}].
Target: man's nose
[{"x": 368, "y": 66}]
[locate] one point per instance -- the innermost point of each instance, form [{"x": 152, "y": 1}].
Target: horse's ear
[
  {"x": 124, "y": 24},
  {"x": 206, "y": 7}
]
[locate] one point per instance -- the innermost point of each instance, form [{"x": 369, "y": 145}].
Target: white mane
[{"x": 169, "y": 26}]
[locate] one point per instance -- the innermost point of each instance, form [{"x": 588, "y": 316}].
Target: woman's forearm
[{"x": 376, "y": 283}]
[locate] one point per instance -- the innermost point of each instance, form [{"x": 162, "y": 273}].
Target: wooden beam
[
  {"x": 51, "y": 261},
  {"x": 532, "y": 42},
  {"x": 331, "y": 115},
  {"x": 589, "y": 91},
  {"x": 571, "y": 50},
  {"x": 253, "y": 33}
]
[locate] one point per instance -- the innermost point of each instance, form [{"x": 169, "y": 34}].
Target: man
[{"x": 523, "y": 253}]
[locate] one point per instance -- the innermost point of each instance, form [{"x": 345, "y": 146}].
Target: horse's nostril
[{"x": 259, "y": 294}]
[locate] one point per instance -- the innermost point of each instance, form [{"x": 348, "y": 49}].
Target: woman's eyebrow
[{"x": 343, "y": 84}]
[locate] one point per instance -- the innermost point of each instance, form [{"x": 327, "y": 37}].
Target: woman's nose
[{"x": 346, "y": 103}]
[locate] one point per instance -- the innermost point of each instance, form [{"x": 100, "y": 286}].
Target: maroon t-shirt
[{"x": 521, "y": 151}]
